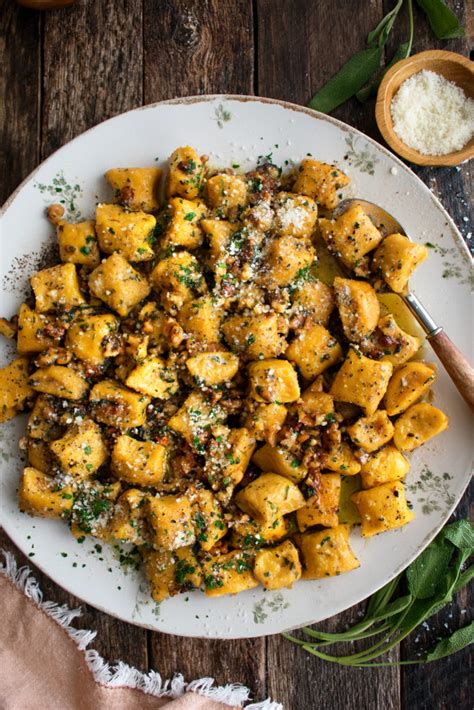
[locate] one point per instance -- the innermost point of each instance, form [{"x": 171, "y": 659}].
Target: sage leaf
[
  {"x": 348, "y": 80},
  {"x": 386, "y": 22},
  {"x": 456, "y": 642},
  {"x": 381, "y": 598},
  {"x": 442, "y": 19},
  {"x": 425, "y": 575},
  {"x": 461, "y": 535},
  {"x": 369, "y": 91}
]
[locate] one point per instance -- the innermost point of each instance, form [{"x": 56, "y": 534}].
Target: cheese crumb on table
[{"x": 432, "y": 115}]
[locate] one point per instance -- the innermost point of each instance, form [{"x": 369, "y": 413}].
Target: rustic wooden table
[{"x": 66, "y": 70}]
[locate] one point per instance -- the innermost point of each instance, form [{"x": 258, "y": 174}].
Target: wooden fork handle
[{"x": 458, "y": 368}]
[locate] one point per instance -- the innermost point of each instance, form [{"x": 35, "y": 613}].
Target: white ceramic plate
[{"x": 238, "y": 130}]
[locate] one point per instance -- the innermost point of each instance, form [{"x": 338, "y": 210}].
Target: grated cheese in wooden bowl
[{"x": 432, "y": 115}]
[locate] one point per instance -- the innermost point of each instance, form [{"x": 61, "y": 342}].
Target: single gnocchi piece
[
  {"x": 170, "y": 517},
  {"x": 269, "y": 497},
  {"x": 351, "y": 235},
  {"x": 273, "y": 381},
  {"x": 81, "y": 451},
  {"x": 257, "y": 336},
  {"x": 195, "y": 416},
  {"x": 419, "y": 424},
  {"x": 201, "y": 320},
  {"x": 39, "y": 494},
  {"x": 118, "y": 284},
  {"x": 340, "y": 458},
  {"x": 252, "y": 535},
  {"x": 208, "y": 519},
  {"x": 389, "y": 342},
  {"x": 89, "y": 337},
  {"x": 278, "y": 459},
  {"x": 316, "y": 407},
  {"x": 177, "y": 279},
  {"x": 372, "y": 432},
  {"x": 320, "y": 181},
  {"x": 265, "y": 420},
  {"x": 227, "y": 194},
  {"x": 136, "y": 188},
  {"x": 15, "y": 388},
  {"x": 141, "y": 463},
  {"x": 33, "y": 329},
  {"x": 278, "y": 567},
  {"x": 78, "y": 243},
  {"x": 407, "y": 385},
  {"x": 154, "y": 378},
  {"x": 128, "y": 233},
  {"x": 361, "y": 381},
  {"x": 295, "y": 215},
  {"x": 327, "y": 553},
  {"x": 56, "y": 288},
  {"x": 382, "y": 508},
  {"x": 396, "y": 259},
  {"x": 358, "y": 306},
  {"x": 218, "y": 233},
  {"x": 286, "y": 258},
  {"x": 185, "y": 174},
  {"x": 188, "y": 570},
  {"x": 183, "y": 229},
  {"x": 117, "y": 406},
  {"x": 230, "y": 573},
  {"x": 213, "y": 368},
  {"x": 59, "y": 381},
  {"x": 42, "y": 422},
  {"x": 313, "y": 350},
  {"x": 226, "y": 466},
  {"x": 322, "y": 508},
  {"x": 383, "y": 466},
  {"x": 160, "y": 570},
  {"x": 128, "y": 520},
  {"x": 314, "y": 298}
]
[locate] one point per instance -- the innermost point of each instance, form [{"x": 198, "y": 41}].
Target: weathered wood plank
[
  {"x": 303, "y": 44},
  {"x": 20, "y": 47},
  {"x": 93, "y": 66},
  {"x": 197, "y": 48}
]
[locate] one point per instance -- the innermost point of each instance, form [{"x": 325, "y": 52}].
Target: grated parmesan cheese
[{"x": 432, "y": 115}]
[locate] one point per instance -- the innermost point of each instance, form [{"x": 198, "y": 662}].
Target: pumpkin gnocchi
[{"x": 199, "y": 388}]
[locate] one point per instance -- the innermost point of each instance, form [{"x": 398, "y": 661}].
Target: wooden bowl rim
[{"x": 383, "y": 117}]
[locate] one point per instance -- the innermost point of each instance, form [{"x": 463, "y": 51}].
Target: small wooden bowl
[{"x": 453, "y": 67}]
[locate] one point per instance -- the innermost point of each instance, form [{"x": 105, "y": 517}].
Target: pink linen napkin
[{"x": 42, "y": 667}]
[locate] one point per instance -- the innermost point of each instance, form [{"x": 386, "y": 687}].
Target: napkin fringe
[{"x": 121, "y": 674}]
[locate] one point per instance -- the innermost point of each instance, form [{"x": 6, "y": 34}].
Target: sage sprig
[
  {"x": 362, "y": 74},
  {"x": 392, "y": 613}
]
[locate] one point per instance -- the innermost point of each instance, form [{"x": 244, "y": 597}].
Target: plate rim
[{"x": 345, "y": 127}]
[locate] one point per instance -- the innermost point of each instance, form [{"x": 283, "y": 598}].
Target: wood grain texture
[
  {"x": 93, "y": 67},
  {"x": 20, "y": 48},
  {"x": 102, "y": 58},
  {"x": 302, "y": 44},
  {"x": 197, "y": 48}
]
